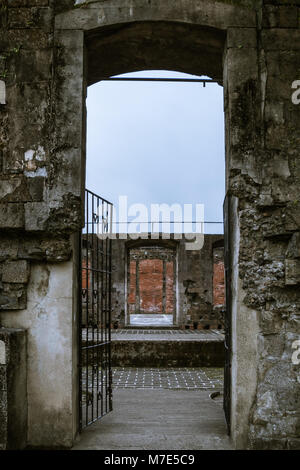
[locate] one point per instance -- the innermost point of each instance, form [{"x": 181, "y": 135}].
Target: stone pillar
[
  {"x": 13, "y": 389},
  {"x": 51, "y": 322},
  {"x": 242, "y": 107}
]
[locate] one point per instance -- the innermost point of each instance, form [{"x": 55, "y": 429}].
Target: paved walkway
[{"x": 159, "y": 420}]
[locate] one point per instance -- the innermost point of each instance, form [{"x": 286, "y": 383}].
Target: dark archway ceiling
[{"x": 154, "y": 45}]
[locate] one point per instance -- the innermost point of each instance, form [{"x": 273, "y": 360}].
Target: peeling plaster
[{"x": 38, "y": 172}]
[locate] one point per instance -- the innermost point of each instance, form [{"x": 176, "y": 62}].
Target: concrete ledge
[
  {"x": 166, "y": 353},
  {"x": 165, "y": 348}
]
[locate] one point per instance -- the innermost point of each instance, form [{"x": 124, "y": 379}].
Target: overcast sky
[{"x": 157, "y": 143}]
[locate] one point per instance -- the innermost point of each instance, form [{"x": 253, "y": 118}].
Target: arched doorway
[{"x": 101, "y": 40}]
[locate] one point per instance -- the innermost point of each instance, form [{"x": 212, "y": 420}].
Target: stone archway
[{"x": 202, "y": 39}]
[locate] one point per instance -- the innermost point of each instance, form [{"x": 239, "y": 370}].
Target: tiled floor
[
  {"x": 172, "y": 379},
  {"x": 188, "y": 378}
]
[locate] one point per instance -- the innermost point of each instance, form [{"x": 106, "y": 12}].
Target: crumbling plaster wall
[{"x": 43, "y": 76}]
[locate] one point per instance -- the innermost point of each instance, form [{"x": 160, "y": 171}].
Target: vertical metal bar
[
  {"x": 106, "y": 318},
  {"x": 87, "y": 311},
  {"x": 92, "y": 306},
  {"x": 79, "y": 261},
  {"x": 102, "y": 316},
  {"x": 98, "y": 397},
  {"x": 109, "y": 331}
]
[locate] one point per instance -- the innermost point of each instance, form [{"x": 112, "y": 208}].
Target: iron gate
[
  {"x": 228, "y": 277},
  {"x": 95, "y": 377}
]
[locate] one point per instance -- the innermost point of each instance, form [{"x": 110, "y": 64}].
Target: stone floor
[
  {"x": 159, "y": 419},
  {"x": 186, "y": 378}
]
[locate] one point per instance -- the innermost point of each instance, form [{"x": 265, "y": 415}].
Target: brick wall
[
  {"x": 218, "y": 277},
  {"x": 155, "y": 282},
  {"x": 132, "y": 286},
  {"x": 190, "y": 295},
  {"x": 151, "y": 285}
]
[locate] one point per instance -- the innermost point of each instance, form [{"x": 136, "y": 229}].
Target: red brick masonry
[{"x": 219, "y": 284}]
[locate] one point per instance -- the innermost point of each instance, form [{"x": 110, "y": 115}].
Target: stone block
[
  {"x": 241, "y": 38},
  {"x": 292, "y": 272},
  {"x": 14, "y": 190},
  {"x": 280, "y": 16},
  {"x": 11, "y": 216},
  {"x": 241, "y": 67},
  {"x": 293, "y": 250},
  {"x": 36, "y": 188},
  {"x": 29, "y": 18},
  {"x": 8, "y": 248},
  {"x": 13, "y": 297},
  {"x": 36, "y": 216},
  {"x": 16, "y": 272},
  {"x": 13, "y": 158},
  {"x": 274, "y": 111},
  {"x": 34, "y": 66},
  {"x": 294, "y": 444},
  {"x": 29, "y": 38},
  {"x": 281, "y": 39}
]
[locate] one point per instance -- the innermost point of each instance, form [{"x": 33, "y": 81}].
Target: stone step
[{"x": 167, "y": 348}]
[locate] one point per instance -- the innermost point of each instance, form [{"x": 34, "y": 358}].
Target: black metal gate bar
[{"x": 95, "y": 375}]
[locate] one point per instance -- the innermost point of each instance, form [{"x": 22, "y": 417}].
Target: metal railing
[{"x": 95, "y": 375}]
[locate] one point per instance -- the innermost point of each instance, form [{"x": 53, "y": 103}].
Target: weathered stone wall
[
  {"x": 50, "y": 51},
  {"x": 196, "y": 293},
  {"x": 263, "y": 176}
]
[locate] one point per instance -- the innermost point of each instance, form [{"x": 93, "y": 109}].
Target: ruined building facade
[
  {"x": 162, "y": 277},
  {"x": 51, "y": 50}
]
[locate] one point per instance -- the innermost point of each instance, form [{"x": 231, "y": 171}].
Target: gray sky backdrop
[{"x": 157, "y": 143}]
